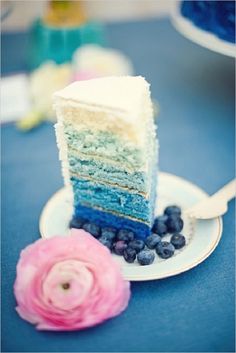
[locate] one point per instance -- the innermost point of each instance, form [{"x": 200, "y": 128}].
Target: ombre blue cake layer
[
  {"x": 103, "y": 144},
  {"x": 107, "y": 173},
  {"x": 113, "y": 199},
  {"x": 106, "y": 219}
]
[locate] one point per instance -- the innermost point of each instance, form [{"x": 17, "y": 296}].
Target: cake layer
[
  {"x": 106, "y": 173},
  {"x": 113, "y": 199},
  {"x": 121, "y": 94},
  {"x": 105, "y": 144},
  {"x": 118, "y": 104},
  {"x": 106, "y": 219}
]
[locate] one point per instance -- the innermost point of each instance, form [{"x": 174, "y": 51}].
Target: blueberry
[
  {"x": 125, "y": 234},
  {"x": 165, "y": 249},
  {"x": 174, "y": 224},
  {"x": 92, "y": 228},
  {"x": 129, "y": 255},
  {"x": 152, "y": 240},
  {"x": 145, "y": 257},
  {"x": 162, "y": 218},
  {"x": 172, "y": 210},
  {"x": 108, "y": 232},
  {"x": 76, "y": 222},
  {"x": 119, "y": 247},
  {"x": 159, "y": 226},
  {"x": 178, "y": 240},
  {"x": 106, "y": 242},
  {"x": 137, "y": 245}
]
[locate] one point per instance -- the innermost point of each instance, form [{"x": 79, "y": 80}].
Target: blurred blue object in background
[
  {"x": 59, "y": 43},
  {"x": 217, "y": 17}
]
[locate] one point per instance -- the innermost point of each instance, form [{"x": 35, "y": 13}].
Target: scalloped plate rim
[{"x": 140, "y": 274}]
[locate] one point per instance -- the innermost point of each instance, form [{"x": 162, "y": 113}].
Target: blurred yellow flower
[{"x": 44, "y": 81}]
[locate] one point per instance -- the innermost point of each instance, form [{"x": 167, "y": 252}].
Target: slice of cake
[{"x": 108, "y": 149}]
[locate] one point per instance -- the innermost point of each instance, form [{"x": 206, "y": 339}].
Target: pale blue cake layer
[
  {"x": 113, "y": 199},
  {"x": 106, "y": 219},
  {"x": 107, "y": 173},
  {"x": 104, "y": 144}
]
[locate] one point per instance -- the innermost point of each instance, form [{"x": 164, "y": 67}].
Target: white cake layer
[
  {"x": 116, "y": 104},
  {"x": 119, "y": 93}
]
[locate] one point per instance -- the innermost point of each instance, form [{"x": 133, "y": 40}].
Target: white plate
[
  {"x": 202, "y": 236},
  {"x": 198, "y": 35}
]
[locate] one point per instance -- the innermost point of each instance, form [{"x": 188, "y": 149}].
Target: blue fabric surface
[{"x": 187, "y": 313}]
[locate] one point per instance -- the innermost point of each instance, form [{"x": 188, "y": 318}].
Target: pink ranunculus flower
[{"x": 69, "y": 283}]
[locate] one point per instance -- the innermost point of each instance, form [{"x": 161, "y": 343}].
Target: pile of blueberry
[{"x": 123, "y": 243}]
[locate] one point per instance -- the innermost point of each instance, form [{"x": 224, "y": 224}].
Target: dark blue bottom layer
[{"x": 104, "y": 219}]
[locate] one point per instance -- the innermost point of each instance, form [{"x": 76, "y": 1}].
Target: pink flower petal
[{"x": 69, "y": 283}]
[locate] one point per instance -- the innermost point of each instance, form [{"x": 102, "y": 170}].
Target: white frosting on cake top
[{"x": 123, "y": 94}]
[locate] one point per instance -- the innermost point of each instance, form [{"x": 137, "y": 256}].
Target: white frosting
[
  {"x": 123, "y": 94},
  {"x": 119, "y": 104}
]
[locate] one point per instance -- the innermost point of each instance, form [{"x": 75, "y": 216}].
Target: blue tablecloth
[{"x": 190, "y": 312}]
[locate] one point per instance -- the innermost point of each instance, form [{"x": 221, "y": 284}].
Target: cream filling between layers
[
  {"x": 125, "y": 166},
  {"x": 125, "y": 188}
]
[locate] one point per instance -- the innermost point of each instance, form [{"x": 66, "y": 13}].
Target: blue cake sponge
[{"x": 105, "y": 219}]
